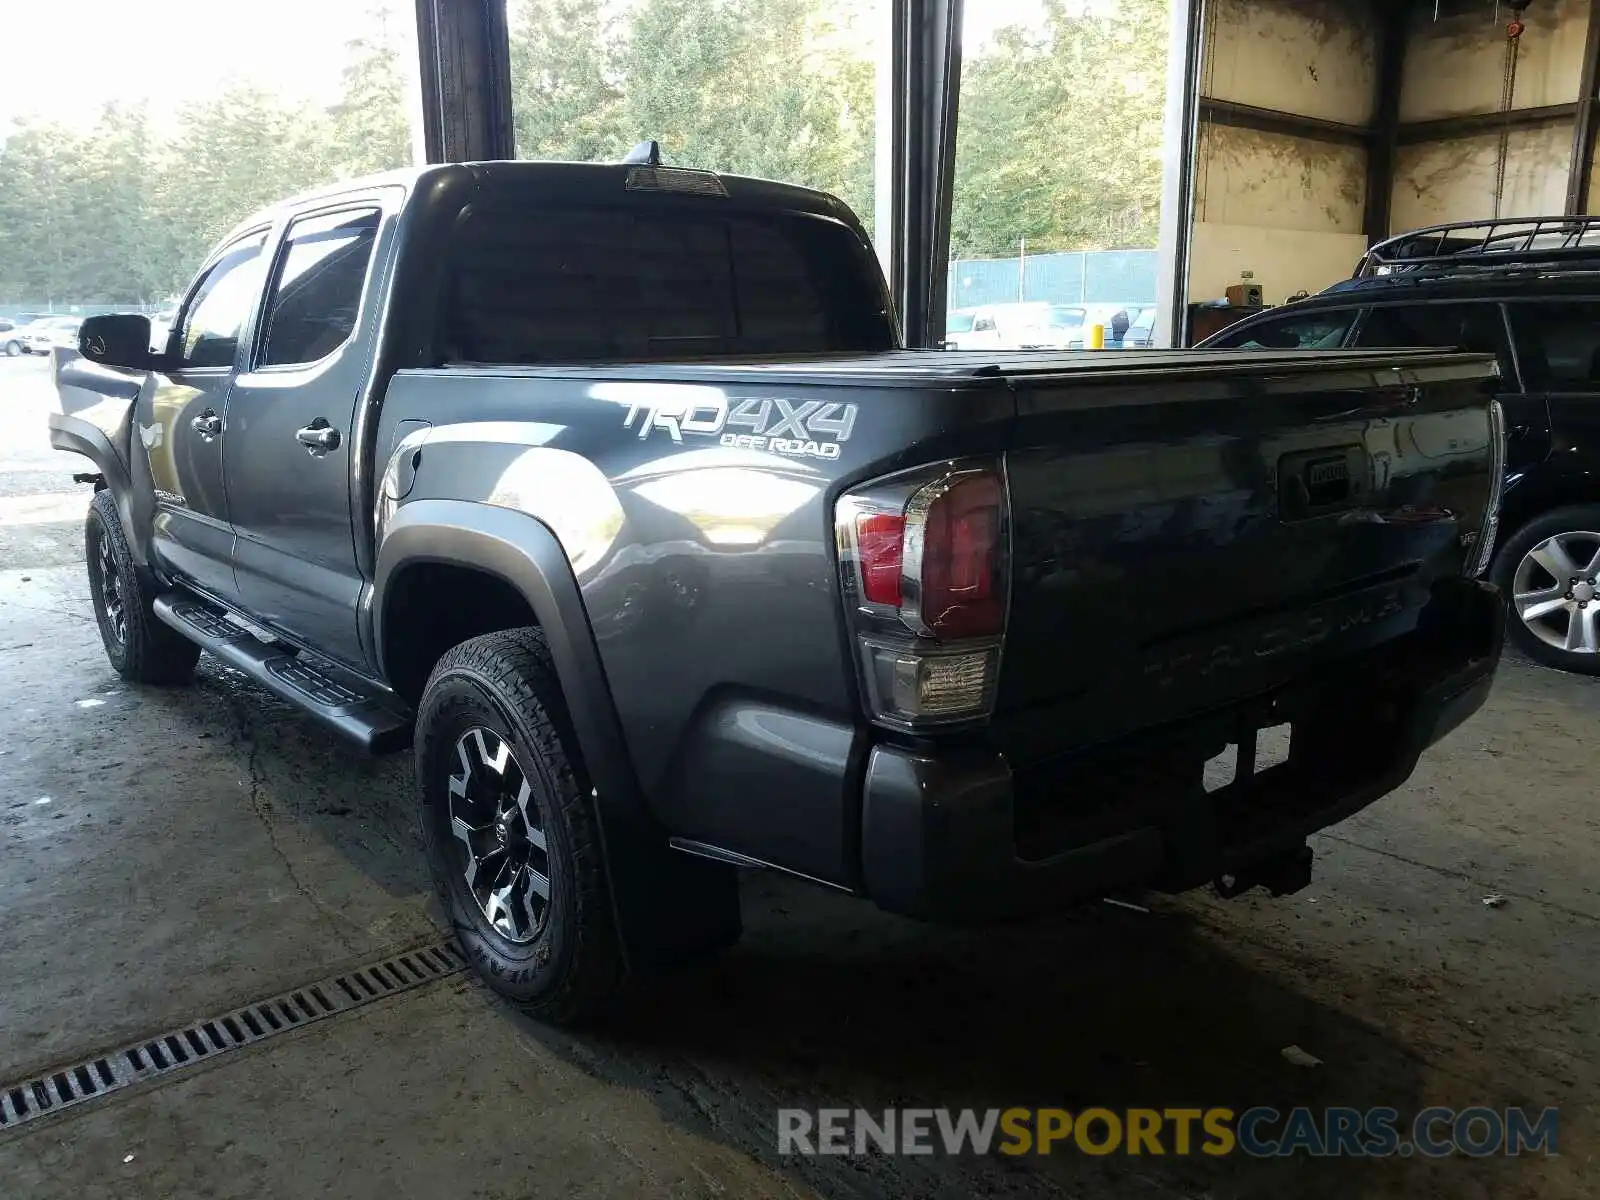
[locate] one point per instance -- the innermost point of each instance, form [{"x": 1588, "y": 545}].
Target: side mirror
[{"x": 118, "y": 340}]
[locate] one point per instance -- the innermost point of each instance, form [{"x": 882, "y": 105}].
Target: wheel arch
[
  {"x": 520, "y": 551},
  {"x": 78, "y": 436},
  {"x": 1537, "y": 493},
  {"x": 656, "y": 893}
]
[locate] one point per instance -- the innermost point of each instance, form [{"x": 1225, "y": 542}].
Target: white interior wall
[
  {"x": 1285, "y": 261},
  {"x": 1287, "y": 208},
  {"x": 1315, "y": 58},
  {"x": 1456, "y": 65},
  {"x": 1454, "y": 180}
]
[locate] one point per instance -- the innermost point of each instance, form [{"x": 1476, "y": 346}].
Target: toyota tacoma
[{"x": 610, "y": 491}]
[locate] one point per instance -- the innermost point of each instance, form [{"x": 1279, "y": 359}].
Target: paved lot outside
[{"x": 165, "y": 854}]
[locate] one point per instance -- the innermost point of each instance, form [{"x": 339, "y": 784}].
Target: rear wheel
[
  {"x": 140, "y": 647},
  {"x": 1549, "y": 571},
  {"x": 510, "y": 836}
]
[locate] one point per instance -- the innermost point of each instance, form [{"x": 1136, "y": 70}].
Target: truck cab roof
[{"x": 569, "y": 182}]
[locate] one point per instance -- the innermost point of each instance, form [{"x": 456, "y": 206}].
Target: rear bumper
[{"x": 968, "y": 836}]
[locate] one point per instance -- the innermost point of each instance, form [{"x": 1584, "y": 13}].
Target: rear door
[
  {"x": 180, "y": 419},
  {"x": 290, "y": 432},
  {"x": 1558, "y": 352},
  {"x": 1478, "y": 325},
  {"x": 985, "y": 333}
]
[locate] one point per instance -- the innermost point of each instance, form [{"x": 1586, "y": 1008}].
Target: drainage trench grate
[{"x": 192, "y": 1045}]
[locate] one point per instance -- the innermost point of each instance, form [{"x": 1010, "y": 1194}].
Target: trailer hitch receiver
[{"x": 1282, "y": 875}]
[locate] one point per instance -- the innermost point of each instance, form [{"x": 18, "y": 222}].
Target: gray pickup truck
[{"x": 610, "y": 490}]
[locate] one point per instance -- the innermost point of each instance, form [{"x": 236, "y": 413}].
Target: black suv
[{"x": 1528, "y": 291}]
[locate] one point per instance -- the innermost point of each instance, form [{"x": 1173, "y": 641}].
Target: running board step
[{"x": 370, "y": 718}]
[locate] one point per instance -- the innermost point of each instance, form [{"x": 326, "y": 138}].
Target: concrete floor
[{"x": 166, "y": 854}]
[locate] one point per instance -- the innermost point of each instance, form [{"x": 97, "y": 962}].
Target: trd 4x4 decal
[{"x": 798, "y": 428}]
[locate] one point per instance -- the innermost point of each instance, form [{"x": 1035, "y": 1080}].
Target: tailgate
[{"x": 1206, "y": 533}]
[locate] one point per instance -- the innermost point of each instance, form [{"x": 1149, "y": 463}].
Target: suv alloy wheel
[{"x": 1549, "y": 571}]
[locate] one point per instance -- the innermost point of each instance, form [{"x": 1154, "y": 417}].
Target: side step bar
[{"x": 373, "y": 720}]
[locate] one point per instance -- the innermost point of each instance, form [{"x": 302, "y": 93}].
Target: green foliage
[
  {"x": 781, "y": 89},
  {"x": 1060, "y": 135},
  {"x": 1059, "y": 141},
  {"x": 122, "y": 212}
]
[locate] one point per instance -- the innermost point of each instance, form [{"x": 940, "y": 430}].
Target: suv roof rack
[{"x": 1502, "y": 243}]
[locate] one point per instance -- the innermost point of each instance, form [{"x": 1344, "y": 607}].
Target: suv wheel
[
  {"x": 1549, "y": 571},
  {"x": 509, "y": 834},
  {"x": 13, "y": 348},
  {"x": 140, "y": 647}
]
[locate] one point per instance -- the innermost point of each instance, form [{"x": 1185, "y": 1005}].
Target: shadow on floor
[{"x": 827, "y": 1002}]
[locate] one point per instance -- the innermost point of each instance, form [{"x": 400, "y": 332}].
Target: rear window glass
[
  {"x": 534, "y": 286},
  {"x": 1475, "y": 326},
  {"x": 1559, "y": 344},
  {"x": 958, "y": 323}
]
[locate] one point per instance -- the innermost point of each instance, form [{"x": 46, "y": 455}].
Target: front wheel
[
  {"x": 510, "y": 837},
  {"x": 13, "y": 349},
  {"x": 140, "y": 647},
  {"x": 1549, "y": 571}
]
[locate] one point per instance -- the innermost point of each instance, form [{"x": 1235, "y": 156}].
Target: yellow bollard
[{"x": 1096, "y": 339}]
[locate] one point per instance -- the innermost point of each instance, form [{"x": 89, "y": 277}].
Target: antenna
[{"x": 645, "y": 154}]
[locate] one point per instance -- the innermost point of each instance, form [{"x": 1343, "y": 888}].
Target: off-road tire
[
  {"x": 145, "y": 650},
  {"x": 505, "y": 682},
  {"x": 1577, "y": 517}
]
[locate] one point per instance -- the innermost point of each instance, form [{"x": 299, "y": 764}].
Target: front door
[
  {"x": 180, "y": 419},
  {"x": 290, "y": 433}
]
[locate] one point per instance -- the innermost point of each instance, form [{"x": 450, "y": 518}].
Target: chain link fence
[{"x": 1068, "y": 277}]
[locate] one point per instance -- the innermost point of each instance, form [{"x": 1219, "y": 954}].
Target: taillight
[
  {"x": 962, "y": 592},
  {"x": 925, "y": 575},
  {"x": 879, "y": 537}
]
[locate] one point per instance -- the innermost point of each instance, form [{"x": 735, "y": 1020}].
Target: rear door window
[
  {"x": 1473, "y": 325},
  {"x": 317, "y": 292},
  {"x": 1558, "y": 344},
  {"x": 647, "y": 285},
  {"x": 1324, "y": 330}
]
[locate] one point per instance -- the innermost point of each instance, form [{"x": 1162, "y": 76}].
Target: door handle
[
  {"x": 318, "y": 437},
  {"x": 207, "y": 425}
]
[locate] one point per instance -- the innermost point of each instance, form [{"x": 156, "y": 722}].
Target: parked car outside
[
  {"x": 958, "y": 329},
  {"x": 1525, "y": 290},
  {"x": 1141, "y": 332},
  {"x": 1115, "y": 319},
  {"x": 1031, "y": 325},
  {"x": 49, "y": 332},
  {"x": 11, "y": 331}
]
